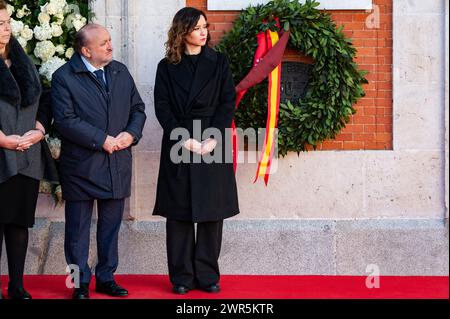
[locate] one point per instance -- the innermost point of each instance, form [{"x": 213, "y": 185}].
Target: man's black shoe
[
  {"x": 111, "y": 288},
  {"x": 81, "y": 293}
]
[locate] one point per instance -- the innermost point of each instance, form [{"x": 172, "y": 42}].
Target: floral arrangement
[{"x": 46, "y": 29}]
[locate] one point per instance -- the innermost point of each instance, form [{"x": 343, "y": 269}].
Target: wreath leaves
[{"x": 335, "y": 83}]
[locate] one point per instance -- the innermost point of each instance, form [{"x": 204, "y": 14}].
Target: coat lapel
[
  {"x": 111, "y": 72},
  {"x": 177, "y": 72},
  {"x": 111, "y": 76},
  {"x": 205, "y": 69}
]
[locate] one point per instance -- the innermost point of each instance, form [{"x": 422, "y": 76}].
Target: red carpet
[{"x": 258, "y": 287}]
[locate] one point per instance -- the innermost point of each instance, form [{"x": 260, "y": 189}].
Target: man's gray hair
[{"x": 81, "y": 37}]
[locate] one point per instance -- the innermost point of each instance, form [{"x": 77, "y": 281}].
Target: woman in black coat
[
  {"x": 194, "y": 100},
  {"x": 23, "y": 158}
]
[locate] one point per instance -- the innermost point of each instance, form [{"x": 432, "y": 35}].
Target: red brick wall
[{"x": 371, "y": 127}]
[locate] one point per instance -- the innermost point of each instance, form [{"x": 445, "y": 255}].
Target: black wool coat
[
  {"x": 195, "y": 191},
  {"x": 84, "y": 115}
]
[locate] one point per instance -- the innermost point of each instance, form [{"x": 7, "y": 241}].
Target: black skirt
[{"x": 18, "y": 198}]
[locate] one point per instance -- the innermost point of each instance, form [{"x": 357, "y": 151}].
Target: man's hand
[
  {"x": 124, "y": 140},
  {"x": 110, "y": 145},
  {"x": 193, "y": 145},
  {"x": 10, "y": 142},
  {"x": 29, "y": 139},
  {"x": 208, "y": 146}
]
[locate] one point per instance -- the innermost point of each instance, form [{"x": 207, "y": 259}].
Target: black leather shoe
[
  {"x": 111, "y": 288},
  {"x": 18, "y": 293},
  {"x": 180, "y": 289},
  {"x": 213, "y": 288},
  {"x": 81, "y": 293}
]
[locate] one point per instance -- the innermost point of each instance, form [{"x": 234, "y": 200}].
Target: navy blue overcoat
[{"x": 85, "y": 114}]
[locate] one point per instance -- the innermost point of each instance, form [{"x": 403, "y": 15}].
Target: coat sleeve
[
  {"x": 163, "y": 111},
  {"x": 69, "y": 124},
  {"x": 224, "y": 113},
  {"x": 137, "y": 117}
]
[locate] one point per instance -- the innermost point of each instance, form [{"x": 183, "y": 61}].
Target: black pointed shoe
[
  {"x": 180, "y": 289},
  {"x": 213, "y": 288},
  {"x": 111, "y": 288},
  {"x": 18, "y": 293},
  {"x": 81, "y": 293}
]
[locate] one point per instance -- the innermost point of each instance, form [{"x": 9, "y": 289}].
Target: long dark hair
[
  {"x": 183, "y": 23},
  {"x": 3, "y": 6}
]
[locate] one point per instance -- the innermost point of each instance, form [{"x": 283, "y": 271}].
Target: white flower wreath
[{"x": 46, "y": 31}]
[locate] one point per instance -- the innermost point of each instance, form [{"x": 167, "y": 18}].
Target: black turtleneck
[{"x": 192, "y": 61}]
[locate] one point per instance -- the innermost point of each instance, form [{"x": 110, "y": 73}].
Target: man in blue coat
[{"x": 100, "y": 116}]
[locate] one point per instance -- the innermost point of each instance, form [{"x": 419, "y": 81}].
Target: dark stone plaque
[{"x": 294, "y": 81}]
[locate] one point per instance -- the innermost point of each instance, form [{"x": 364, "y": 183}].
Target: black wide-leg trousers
[{"x": 193, "y": 258}]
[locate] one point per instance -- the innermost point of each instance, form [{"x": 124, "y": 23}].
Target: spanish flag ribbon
[
  {"x": 272, "y": 114},
  {"x": 267, "y": 63}
]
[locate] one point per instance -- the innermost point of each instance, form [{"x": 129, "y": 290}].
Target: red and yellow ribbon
[
  {"x": 267, "y": 63},
  {"x": 272, "y": 114}
]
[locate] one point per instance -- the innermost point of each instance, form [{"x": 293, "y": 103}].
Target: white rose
[
  {"x": 55, "y": 147},
  {"x": 56, "y": 30},
  {"x": 20, "y": 14},
  {"x": 23, "y": 42},
  {"x": 55, "y": 7},
  {"x": 10, "y": 9},
  {"x": 79, "y": 22},
  {"x": 45, "y": 187},
  {"x": 69, "y": 52},
  {"x": 17, "y": 27},
  {"x": 44, "y": 8},
  {"x": 44, "y": 18},
  {"x": 23, "y": 12},
  {"x": 50, "y": 66},
  {"x": 58, "y": 194},
  {"x": 68, "y": 21},
  {"x": 27, "y": 33},
  {"x": 59, "y": 3},
  {"x": 62, "y": 4},
  {"x": 26, "y": 10},
  {"x": 44, "y": 50},
  {"x": 60, "y": 49},
  {"x": 72, "y": 8},
  {"x": 51, "y": 8},
  {"x": 43, "y": 32},
  {"x": 59, "y": 18}
]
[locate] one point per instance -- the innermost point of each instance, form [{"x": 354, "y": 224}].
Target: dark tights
[{"x": 16, "y": 242}]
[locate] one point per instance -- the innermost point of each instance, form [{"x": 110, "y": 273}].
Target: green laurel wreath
[{"x": 335, "y": 83}]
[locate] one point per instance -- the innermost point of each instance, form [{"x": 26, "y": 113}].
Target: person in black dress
[
  {"x": 194, "y": 91},
  {"x": 24, "y": 155}
]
